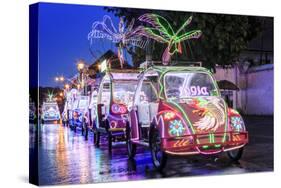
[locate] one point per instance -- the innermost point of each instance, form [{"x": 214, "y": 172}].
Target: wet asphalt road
[{"x": 66, "y": 157}]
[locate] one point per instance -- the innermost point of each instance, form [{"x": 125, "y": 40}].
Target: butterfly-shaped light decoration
[
  {"x": 163, "y": 32},
  {"x": 123, "y": 36}
]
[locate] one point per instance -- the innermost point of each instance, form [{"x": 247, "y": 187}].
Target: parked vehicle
[
  {"x": 115, "y": 97},
  {"x": 65, "y": 117},
  {"x": 50, "y": 112},
  {"x": 78, "y": 115},
  {"x": 179, "y": 111},
  {"x": 93, "y": 109},
  {"x": 67, "y": 106},
  {"x": 32, "y": 112}
]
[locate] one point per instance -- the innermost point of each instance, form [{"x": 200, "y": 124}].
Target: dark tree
[{"x": 224, "y": 36}]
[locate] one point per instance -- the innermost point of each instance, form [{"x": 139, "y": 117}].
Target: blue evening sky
[{"x": 63, "y": 31}]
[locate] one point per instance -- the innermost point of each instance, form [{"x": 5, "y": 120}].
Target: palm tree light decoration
[
  {"x": 123, "y": 36},
  {"x": 163, "y": 32}
]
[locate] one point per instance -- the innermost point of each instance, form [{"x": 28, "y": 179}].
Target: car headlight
[
  {"x": 237, "y": 123},
  {"x": 176, "y": 128}
]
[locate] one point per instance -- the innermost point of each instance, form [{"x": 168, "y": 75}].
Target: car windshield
[
  {"x": 50, "y": 107},
  {"x": 83, "y": 103},
  {"x": 188, "y": 84},
  {"x": 123, "y": 91}
]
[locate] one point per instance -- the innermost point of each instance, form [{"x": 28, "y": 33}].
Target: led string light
[
  {"x": 163, "y": 32},
  {"x": 123, "y": 37}
]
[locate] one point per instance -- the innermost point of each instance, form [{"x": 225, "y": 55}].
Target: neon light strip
[
  {"x": 137, "y": 124},
  {"x": 208, "y": 153},
  {"x": 158, "y": 122},
  {"x": 226, "y": 122},
  {"x": 163, "y": 34}
]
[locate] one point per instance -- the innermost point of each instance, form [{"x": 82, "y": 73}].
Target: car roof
[
  {"x": 124, "y": 74},
  {"x": 50, "y": 103},
  {"x": 161, "y": 69},
  {"x": 83, "y": 97}
]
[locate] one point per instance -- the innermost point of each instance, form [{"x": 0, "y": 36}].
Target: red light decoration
[
  {"x": 119, "y": 109},
  {"x": 122, "y": 109}
]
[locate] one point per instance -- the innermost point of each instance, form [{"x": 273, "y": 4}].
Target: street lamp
[
  {"x": 80, "y": 65},
  {"x": 59, "y": 79},
  {"x": 66, "y": 86},
  {"x": 82, "y": 68}
]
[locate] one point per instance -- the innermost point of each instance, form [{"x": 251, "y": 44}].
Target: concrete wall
[{"x": 256, "y": 88}]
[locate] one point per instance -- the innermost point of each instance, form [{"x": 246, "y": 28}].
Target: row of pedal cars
[
  {"x": 170, "y": 110},
  {"x": 49, "y": 112}
]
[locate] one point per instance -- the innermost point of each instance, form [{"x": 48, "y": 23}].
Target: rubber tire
[
  {"x": 131, "y": 148},
  {"x": 96, "y": 138},
  {"x": 237, "y": 156},
  {"x": 83, "y": 130},
  {"x": 159, "y": 165},
  {"x": 109, "y": 137},
  {"x": 86, "y": 131}
]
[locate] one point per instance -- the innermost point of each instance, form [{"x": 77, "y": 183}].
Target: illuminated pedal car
[
  {"x": 78, "y": 115},
  {"x": 179, "y": 111},
  {"x": 115, "y": 96},
  {"x": 93, "y": 109},
  {"x": 64, "y": 118},
  {"x": 50, "y": 112}
]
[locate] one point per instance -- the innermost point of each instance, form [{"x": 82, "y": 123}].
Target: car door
[
  {"x": 145, "y": 105},
  {"x": 103, "y": 101}
]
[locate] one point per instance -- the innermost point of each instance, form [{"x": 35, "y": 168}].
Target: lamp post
[
  {"x": 66, "y": 89},
  {"x": 66, "y": 86},
  {"x": 81, "y": 66},
  {"x": 61, "y": 78}
]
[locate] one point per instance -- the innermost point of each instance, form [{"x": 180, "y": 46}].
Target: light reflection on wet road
[{"x": 66, "y": 157}]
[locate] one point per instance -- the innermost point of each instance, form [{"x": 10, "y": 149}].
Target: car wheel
[
  {"x": 159, "y": 157},
  {"x": 131, "y": 148},
  {"x": 85, "y": 127},
  {"x": 236, "y": 154},
  {"x": 96, "y": 138},
  {"x": 83, "y": 130},
  {"x": 109, "y": 137}
]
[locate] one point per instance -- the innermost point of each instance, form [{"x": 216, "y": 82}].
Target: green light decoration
[
  {"x": 50, "y": 96},
  {"x": 163, "y": 32}
]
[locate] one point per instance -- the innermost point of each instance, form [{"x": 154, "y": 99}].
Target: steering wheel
[{"x": 173, "y": 92}]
